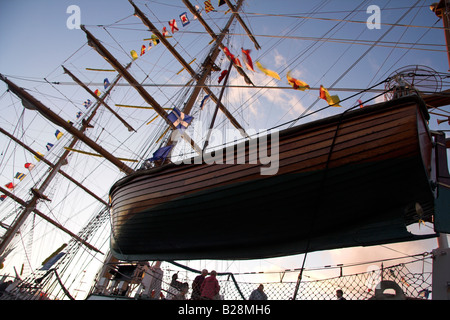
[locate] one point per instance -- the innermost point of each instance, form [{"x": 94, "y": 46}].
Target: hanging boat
[{"x": 348, "y": 180}]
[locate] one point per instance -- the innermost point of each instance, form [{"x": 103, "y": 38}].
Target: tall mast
[
  {"x": 99, "y": 99},
  {"x": 208, "y": 64},
  {"x": 94, "y": 43},
  {"x": 243, "y": 25},
  {"x": 46, "y": 218},
  {"x": 78, "y": 184},
  {"x": 31, "y": 102}
]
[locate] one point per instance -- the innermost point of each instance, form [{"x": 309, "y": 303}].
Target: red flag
[
  {"x": 247, "y": 59},
  {"x": 10, "y": 185},
  {"x": 232, "y": 57},
  {"x": 208, "y": 6},
  {"x": 165, "y": 33},
  {"x": 297, "y": 84},
  {"x": 143, "y": 49},
  {"x": 222, "y": 75},
  {"x": 173, "y": 25},
  {"x": 29, "y": 166},
  {"x": 360, "y": 103}
]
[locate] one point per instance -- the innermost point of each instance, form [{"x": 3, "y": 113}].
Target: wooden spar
[
  {"x": 214, "y": 36},
  {"x": 200, "y": 79},
  {"x": 99, "y": 99},
  {"x": 94, "y": 43},
  {"x": 209, "y": 62},
  {"x": 29, "y": 100},
  {"x": 53, "y": 166},
  {"x": 97, "y": 155},
  {"x": 244, "y": 26},
  {"x": 43, "y": 216}
]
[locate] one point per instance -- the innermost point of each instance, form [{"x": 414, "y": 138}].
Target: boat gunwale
[{"x": 290, "y": 131}]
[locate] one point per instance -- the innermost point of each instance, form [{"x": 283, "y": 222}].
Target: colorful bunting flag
[
  {"x": 164, "y": 32},
  {"x": 29, "y": 166},
  {"x": 37, "y": 158},
  {"x": 184, "y": 19},
  {"x": 49, "y": 146},
  {"x": 221, "y": 2},
  {"x": 179, "y": 119},
  {"x": 52, "y": 261},
  {"x": 161, "y": 153},
  {"x": 133, "y": 54},
  {"x": 58, "y": 134},
  {"x": 222, "y": 75},
  {"x": 173, "y": 26},
  {"x": 208, "y": 6},
  {"x": 155, "y": 39},
  {"x": 247, "y": 59},
  {"x": 20, "y": 176},
  {"x": 106, "y": 82},
  {"x": 332, "y": 100},
  {"x": 10, "y": 185},
  {"x": 87, "y": 103},
  {"x": 268, "y": 72},
  {"x": 360, "y": 103},
  {"x": 79, "y": 114},
  {"x": 98, "y": 92},
  {"x": 297, "y": 84},
  {"x": 205, "y": 98},
  {"x": 232, "y": 57},
  {"x": 2, "y": 197},
  {"x": 199, "y": 11}
]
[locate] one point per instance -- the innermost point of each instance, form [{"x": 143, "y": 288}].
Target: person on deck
[
  {"x": 175, "y": 287},
  {"x": 210, "y": 287},
  {"x": 339, "y": 294},
  {"x": 258, "y": 294},
  {"x": 197, "y": 285}
]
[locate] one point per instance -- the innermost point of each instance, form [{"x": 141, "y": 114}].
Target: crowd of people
[{"x": 204, "y": 288}]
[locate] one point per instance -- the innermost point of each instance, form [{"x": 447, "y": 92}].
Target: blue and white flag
[
  {"x": 161, "y": 153},
  {"x": 184, "y": 19},
  {"x": 179, "y": 119},
  {"x": 106, "y": 83}
]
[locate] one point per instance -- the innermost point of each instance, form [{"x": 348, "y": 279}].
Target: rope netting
[{"x": 414, "y": 281}]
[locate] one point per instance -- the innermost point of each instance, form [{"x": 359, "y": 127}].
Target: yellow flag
[
  {"x": 332, "y": 100},
  {"x": 268, "y": 72},
  {"x": 134, "y": 54},
  {"x": 297, "y": 84},
  {"x": 37, "y": 158}
]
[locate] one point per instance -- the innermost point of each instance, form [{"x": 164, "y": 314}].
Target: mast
[
  {"x": 53, "y": 166},
  {"x": 32, "y": 103},
  {"x": 208, "y": 65},
  {"x": 243, "y": 25},
  {"x": 46, "y": 218},
  {"x": 214, "y": 36},
  {"x": 30, "y": 206},
  {"x": 99, "y": 99},
  {"x": 94, "y": 43}
]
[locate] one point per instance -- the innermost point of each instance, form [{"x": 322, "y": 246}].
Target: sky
[{"x": 36, "y": 41}]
